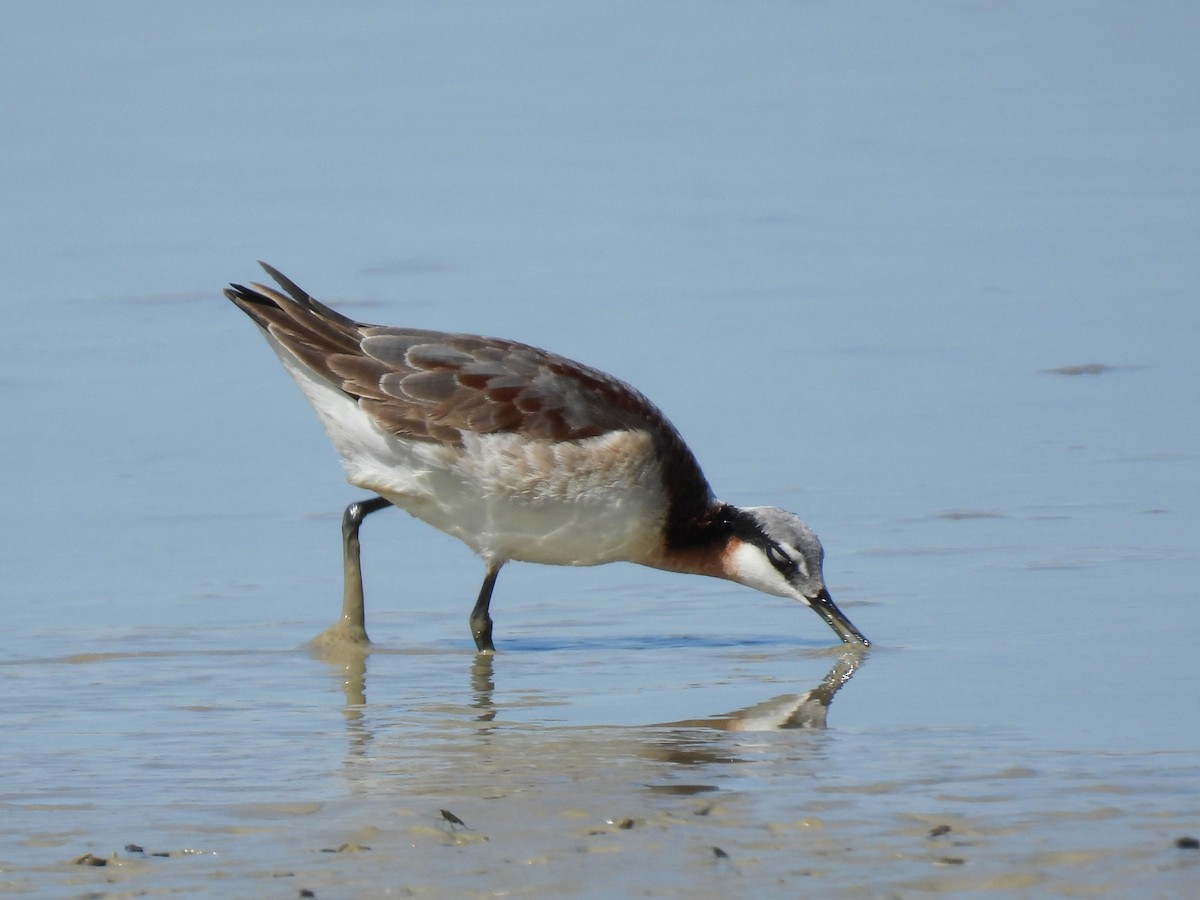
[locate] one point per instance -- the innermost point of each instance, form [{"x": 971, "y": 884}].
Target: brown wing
[
  {"x": 432, "y": 385},
  {"x": 435, "y": 386}
]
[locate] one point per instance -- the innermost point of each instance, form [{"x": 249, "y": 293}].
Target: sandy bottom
[
  {"x": 593, "y": 813},
  {"x": 479, "y": 793}
]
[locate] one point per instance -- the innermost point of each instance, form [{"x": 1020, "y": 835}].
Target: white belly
[{"x": 578, "y": 503}]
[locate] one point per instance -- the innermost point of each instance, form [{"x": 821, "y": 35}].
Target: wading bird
[{"x": 522, "y": 454}]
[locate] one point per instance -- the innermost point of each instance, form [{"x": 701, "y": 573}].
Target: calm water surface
[{"x": 859, "y": 255}]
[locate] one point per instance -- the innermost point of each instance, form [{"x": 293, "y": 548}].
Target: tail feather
[
  {"x": 305, "y": 299},
  {"x": 307, "y": 328}
]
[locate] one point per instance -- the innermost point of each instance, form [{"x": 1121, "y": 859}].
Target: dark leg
[
  {"x": 481, "y": 621},
  {"x": 353, "y": 611}
]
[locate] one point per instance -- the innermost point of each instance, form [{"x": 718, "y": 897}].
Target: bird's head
[{"x": 773, "y": 551}]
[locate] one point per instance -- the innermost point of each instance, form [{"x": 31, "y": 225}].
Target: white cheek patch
[{"x": 752, "y": 568}]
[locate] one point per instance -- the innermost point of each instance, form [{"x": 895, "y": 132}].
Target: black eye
[{"x": 779, "y": 559}]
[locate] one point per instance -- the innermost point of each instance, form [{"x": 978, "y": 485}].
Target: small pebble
[
  {"x": 1188, "y": 843},
  {"x": 134, "y": 848},
  {"x": 305, "y": 892}
]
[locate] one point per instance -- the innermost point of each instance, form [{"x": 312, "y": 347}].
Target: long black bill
[{"x": 827, "y": 610}]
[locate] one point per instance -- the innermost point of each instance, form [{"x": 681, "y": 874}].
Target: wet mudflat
[{"x": 271, "y": 773}]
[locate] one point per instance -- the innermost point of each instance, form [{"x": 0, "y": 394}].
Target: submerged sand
[{"x": 469, "y": 799}]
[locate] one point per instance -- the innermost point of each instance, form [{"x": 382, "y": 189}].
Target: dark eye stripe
[{"x": 779, "y": 559}]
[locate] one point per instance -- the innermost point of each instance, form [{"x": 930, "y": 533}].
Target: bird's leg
[
  {"x": 481, "y": 621},
  {"x": 353, "y": 611},
  {"x": 350, "y": 631}
]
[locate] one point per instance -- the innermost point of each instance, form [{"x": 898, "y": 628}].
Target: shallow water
[{"x": 927, "y": 277}]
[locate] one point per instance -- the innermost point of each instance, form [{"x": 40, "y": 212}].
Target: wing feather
[{"x": 436, "y": 386}]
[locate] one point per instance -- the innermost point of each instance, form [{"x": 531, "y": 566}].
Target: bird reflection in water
[{"x": 806, "y": 710}]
